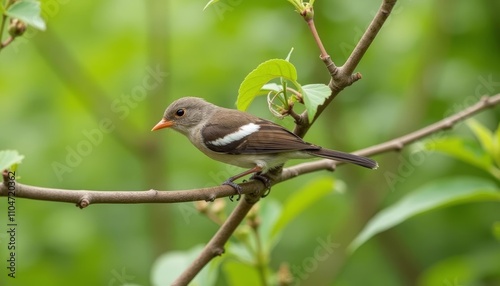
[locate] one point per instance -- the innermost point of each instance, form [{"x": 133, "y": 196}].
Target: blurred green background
[{"x": 120, "y": 63}]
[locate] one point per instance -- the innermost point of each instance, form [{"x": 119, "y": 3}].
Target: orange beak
[{"x": 162, "y": 124}]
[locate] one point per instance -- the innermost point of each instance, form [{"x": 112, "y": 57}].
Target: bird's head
[{"x": 184, "y": 114}]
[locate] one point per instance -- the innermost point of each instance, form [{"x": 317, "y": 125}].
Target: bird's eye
[{"x": 180, "y": 112}]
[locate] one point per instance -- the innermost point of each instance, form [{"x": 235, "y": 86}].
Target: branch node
[
  {"x": 253, "y": 197},
  {"x": 332, "y": 166},
  {"x": 297, "y": 118},
  {"x": 211, "y": 198},
  {"x": 399, "y": 145},
  {"x": 448, "y": 124},
  {"x": 330, "y": 65},
  {"x": 485, "y": 100},
  {"x": 218, "y": 251},
  {"x": 355, "y": 77},
  {"x": 5, "y": 175},
  {"x": 83, "y": 202}
]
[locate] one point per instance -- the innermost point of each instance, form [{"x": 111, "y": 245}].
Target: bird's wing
[{"x": 254, "y": 136}]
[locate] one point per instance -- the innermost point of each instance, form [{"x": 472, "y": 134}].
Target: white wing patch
[{"x": 242, "y": 132}]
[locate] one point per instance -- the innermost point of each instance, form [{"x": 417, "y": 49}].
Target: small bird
[{"x": 241, "y": 139}]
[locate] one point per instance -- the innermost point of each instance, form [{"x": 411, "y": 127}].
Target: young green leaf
[
  {"x": 314, "y": 96},
  {"x": 471, "y": 267},
  {"x": 9, "y": 158},
  {"x": 256, "y": 79},
  {"x": 460, "y": 149},
  {"x": 432, "y": 196},
  {"x": 289, "y": 55},
  {"x": 271, "y": 87},
  {"x": 270, "y": 211},
  {"x": 27, "y": 11},
  {"x": 483, "y": 134},
  {"x": 168, "y": 266}
]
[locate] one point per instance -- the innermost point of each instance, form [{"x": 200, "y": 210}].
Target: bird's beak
[{"x": 163, "y": 124}]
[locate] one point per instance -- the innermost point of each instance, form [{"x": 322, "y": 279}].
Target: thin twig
[
  {"x": 371, "y": 32},
  {"x": 397, "y": 143},
  {"x": 2, "y": 26},
  {"x": 7, "y": 42},
  {"x": 317, "y": 39},
  {"x": 342, "y": 77}
]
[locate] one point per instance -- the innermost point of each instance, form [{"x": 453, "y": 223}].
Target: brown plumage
[{"x": 244, "y": 140}]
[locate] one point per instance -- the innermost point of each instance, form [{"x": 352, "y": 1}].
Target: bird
[{"x": 239, "y": 138}]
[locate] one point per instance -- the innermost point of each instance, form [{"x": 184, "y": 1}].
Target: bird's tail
[{"x": 345, "y": 157}]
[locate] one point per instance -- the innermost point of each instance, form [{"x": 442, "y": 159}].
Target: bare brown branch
[
  {"x": 397, "y": 143},
  {"x": 84, "y": 198},
  {"x": 216, "y": 245},
  {"x": 342, "y": 77},
  {"x": 371, "y": 32}
]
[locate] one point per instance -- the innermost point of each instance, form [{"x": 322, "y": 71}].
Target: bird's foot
[
  {"x": 235, "y": 186},
  {"x": 265, "y": 180}
]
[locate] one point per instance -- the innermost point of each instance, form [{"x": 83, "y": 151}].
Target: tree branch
[
  {"x": 342, "y": 77},
  {"x": 398, "y": 143},
  {"x": 215, "y": 246},
  {"x": 371, "y": 32},
  {"x": 83, "y": 198}
]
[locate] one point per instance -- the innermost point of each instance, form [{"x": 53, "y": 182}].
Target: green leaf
[
  {"x": 270, "y": 212},
  {"x": 432, "y": 196},
  {"x": 483, "y": 134},
  {"x": 9, "y": 159},
  {"x": 27, "y": 11},
  {"x": 462, "y": 150},
  {"x": 170, "y": 265},
  {"x": 238, "y": 273},
  {"x": 244, "y": 252},
  {"x": 496, "y": 146},
  {"x": 314, "y": 96},
  {"x": 301, "y": 200},
  {"x": 496, "y": 230},
  {"x": 210, "y": 3},
  {"x": 271, "y": 87},
  {"x": 265, "y": 72},
  {"x": 474, "y": 267}
]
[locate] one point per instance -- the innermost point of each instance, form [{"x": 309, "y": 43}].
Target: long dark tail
[{"x": 345, "y": 157}]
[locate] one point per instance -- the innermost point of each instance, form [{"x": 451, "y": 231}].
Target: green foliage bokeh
[{"x": 82, "y": 80}]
